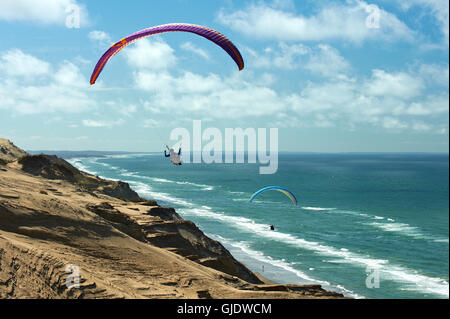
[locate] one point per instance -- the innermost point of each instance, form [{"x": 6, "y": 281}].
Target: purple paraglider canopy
[{"x": 207, "y": 33}]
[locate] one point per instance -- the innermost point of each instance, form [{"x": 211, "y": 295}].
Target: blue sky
[{"x": 314, "y": 70}]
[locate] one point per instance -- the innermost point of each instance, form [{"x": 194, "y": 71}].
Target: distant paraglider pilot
[{"x": 174, "y": 157}]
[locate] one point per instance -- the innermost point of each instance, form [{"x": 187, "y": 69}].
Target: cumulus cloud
[
  {"x": 188, "y": 82},
  {"x": 435, "y": 74},
  {"x": 393, "y": 123},
  {"x": 34, "y": 99},
  {"x": 431, "y": 105},
  {"x": 438, "y": 8},
  {"x": 350, "y": 102},
  {"x": 220, "y": 97},
  {"x": 16, "y": 63},
  {"x": 419, "y": 126},
  {"x": 400, "y": 84},
  {"x": 46, "y": 89},
  {"x": 188, "y": 46},
  {"x": 151, "y": 54},
  {"x": 389, "y": 100},
  {"x": 69, "y": 75},
  {"x": 102, "y": 123},
  {"x": 321, "y": 60},
  {"x": 333, "y": 21},
  {"x": 128, "y": 110},
  {"x": 284, "y": 56},
  {"x": 100, "y": 37},
  {"x": 42, "y": 11},
  {"x": 327, "y": 61},
  {"x": 151, "y": 123}
]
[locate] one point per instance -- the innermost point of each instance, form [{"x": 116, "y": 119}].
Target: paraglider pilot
[{"x": 174, "y": 157}]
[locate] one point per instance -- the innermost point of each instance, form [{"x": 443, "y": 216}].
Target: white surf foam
[
  {"x": 164, "y": 180},
  {"x": 317, "y": 208},
  {"x": 202, "y": 186},
  {"x": 96, "y": 161},
  {"x": 145, "y": 190},
  {"x": 76, "y": 162},
  {"x": 130, "y": 155},
  {"x": 390, "y": 225},
  {"x": 158, "y": 180},
  {"x": 407, "y": 230}
]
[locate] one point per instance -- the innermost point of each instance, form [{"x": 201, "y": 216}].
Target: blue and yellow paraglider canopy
[{"x": 283, "y": 190}]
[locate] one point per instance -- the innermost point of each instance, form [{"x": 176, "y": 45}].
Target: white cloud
[
  {"x": 151, "y": 123},
  {"x": 186, "y": 83},
  {"x": 435, "y": 73},
  {"x": 16, "y": 63},
  {"x": 150, "y": 107},
  {"x": 151, "y": 54},
  {"x": 219, "y": 97},
  {"x": 349, "y": 103},
  {"x": 389, "y": 100},
  {"x": 393, "y": 123},
  {"x": 46, "y": 89},
  {"x": 34, "y": 99},
  {"x": 419, "y": 126},
  {"x": 327, "y": 62},
  {"x": 333, "y": 21},
  {"x": 431, "y": 105},
  {"x": 102, "y": 123},
  {"x": 188, "y": 46},
  {"x": 285, "y": 56},
  {"x": 68, "y": 74},
  {"x": 41, "y": 11},
  {"x": 415, "y": 108},
  {"x": 440, "y": 10},
  {"x": 401, "y": 85},
  {"x": 322, "y": 59},
  {"x": 128, "y": 110},
  {"x": 100, "y": 37}
]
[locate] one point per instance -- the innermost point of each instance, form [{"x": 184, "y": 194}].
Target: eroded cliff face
[
  {"x": 53, "y": 215},
  {"x": 164, "y": 228}
]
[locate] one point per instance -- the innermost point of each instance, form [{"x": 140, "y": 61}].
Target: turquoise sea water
[{"x": 384, "y": 215}]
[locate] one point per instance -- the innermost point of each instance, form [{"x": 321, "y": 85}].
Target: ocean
[{"x": 366, "y": 225}]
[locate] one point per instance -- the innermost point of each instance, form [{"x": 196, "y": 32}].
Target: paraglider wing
[
  {"x": 276, "y": 188},
  {"x": 207, "y": 33}
]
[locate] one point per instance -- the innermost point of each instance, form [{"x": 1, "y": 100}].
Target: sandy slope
[
  {"x": 8, "y": 151},
  {"x": 123, "y": 249}
]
